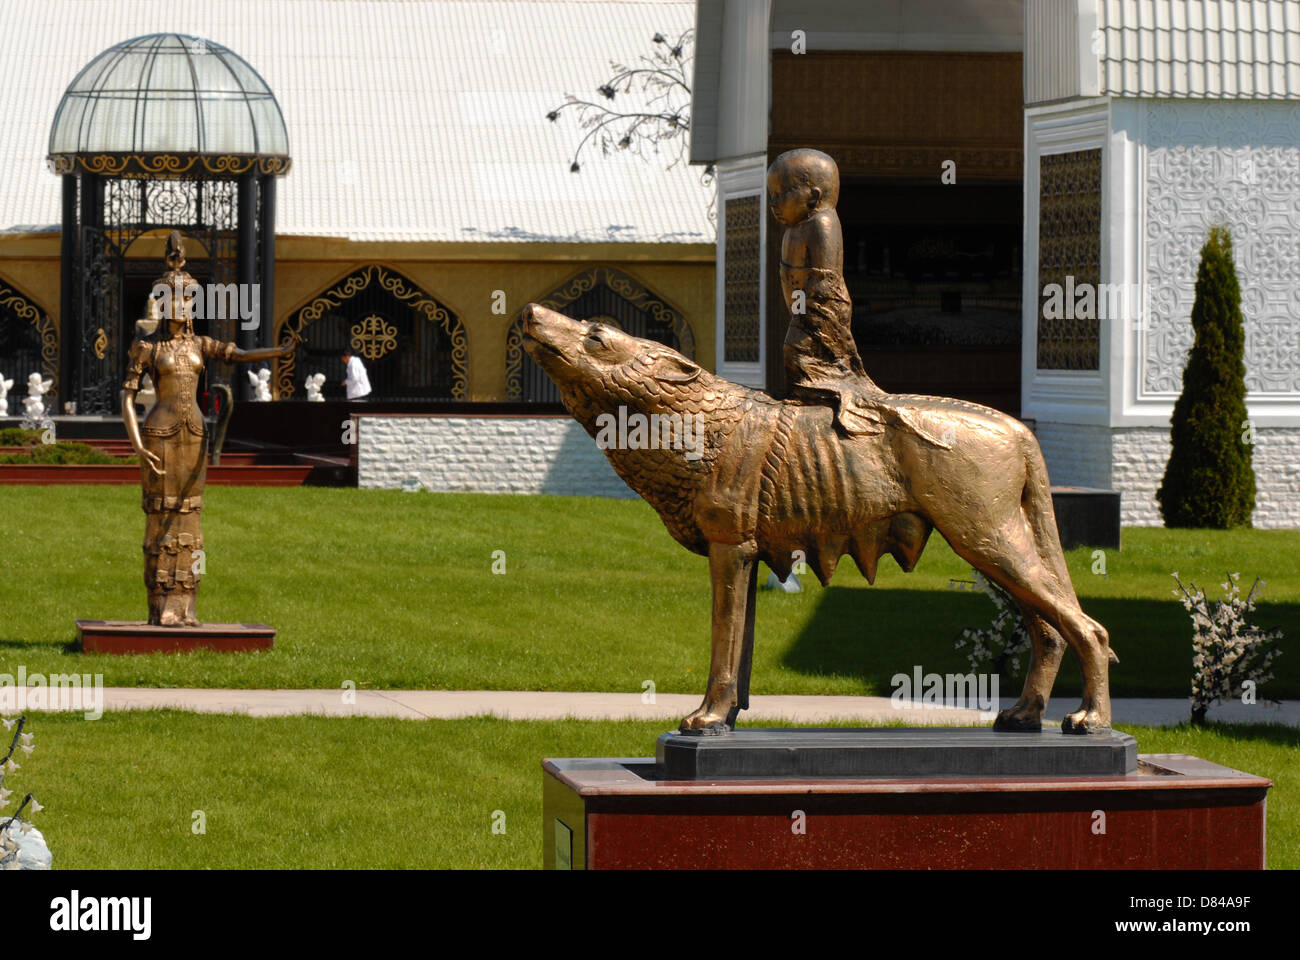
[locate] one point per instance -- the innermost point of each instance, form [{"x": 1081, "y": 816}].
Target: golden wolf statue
[{"x": 740, "y": 477}]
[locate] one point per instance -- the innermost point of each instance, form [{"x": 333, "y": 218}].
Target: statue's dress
[{"x": 176, "y": 433}]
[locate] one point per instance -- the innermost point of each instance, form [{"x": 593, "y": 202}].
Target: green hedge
[
  {"x": 18, "y": 437},
  {"x": 60, "y": 453}
]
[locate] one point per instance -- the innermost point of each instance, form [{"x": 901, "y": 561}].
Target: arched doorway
[
  {"x": 610, "y": 295},
  {"x": 413, "y": 345},
  {"x": 29, "y": 343}
]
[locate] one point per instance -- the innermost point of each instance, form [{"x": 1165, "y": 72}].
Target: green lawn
[
  {"x": 396, "y": 590},
  {"x": 316, "y": 792}
]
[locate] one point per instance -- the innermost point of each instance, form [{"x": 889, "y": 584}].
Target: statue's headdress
[{"x": 177, "y": 281}]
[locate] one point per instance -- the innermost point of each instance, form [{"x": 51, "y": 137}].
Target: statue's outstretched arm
[{"x": 236, "y": 355}]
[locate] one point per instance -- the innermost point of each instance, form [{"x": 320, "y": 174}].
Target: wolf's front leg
[{"x": 732, "y": 570}]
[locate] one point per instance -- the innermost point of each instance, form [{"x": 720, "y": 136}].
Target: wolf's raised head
[{"x": 599, "y": 368}]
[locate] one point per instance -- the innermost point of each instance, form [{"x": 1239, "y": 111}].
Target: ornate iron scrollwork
[
  {"x": 400, "y": 289},
  {"x": 101, "y": 280},
  {"x": 47, "y": 332},
  {"x": 135, "y": 203},
  {"x": 374, "y": 337},
  {"x": 166, "y": 164}
]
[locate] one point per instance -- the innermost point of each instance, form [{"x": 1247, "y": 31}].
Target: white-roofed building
[
  {"x": 422, "y": 176},
  {"x": 1088, "y": 143}
]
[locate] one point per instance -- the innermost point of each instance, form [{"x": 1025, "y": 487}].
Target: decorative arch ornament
[
  {"x": 47, "y": 331},
  {"x": 401, "y": 288},
  {"x": 621, "y": 283}
]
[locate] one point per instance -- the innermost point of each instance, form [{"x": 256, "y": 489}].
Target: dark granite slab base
[
  {"x": 1087, "y": 517},
  {"x": 894, "y": 752}
]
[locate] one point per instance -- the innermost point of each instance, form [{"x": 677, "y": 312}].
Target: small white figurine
[
  {"x": 261, "y": 381},
  {"x": 314, "y": 383},
  {"x": 5, "y": 387},
  {"x": 34, "y": 403}
]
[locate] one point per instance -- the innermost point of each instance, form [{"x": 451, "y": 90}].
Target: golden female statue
[{"x": 172, "y": 444}]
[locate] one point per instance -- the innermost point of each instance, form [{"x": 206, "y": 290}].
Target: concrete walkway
[{"x": 531, "y": 705}]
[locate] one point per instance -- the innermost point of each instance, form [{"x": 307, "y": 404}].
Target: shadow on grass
[
  {"x": 47, "y": 646},
  {"x": 1278, "y": 734},
  {"x": 874, "y": 634}
]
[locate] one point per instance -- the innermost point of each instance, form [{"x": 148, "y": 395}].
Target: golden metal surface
[
  {"x": 172, "y": 443},
  {"x": 165, "y": 164},
  {"x": 838, "y": 468},
  {"x": 101, "y": 343}
]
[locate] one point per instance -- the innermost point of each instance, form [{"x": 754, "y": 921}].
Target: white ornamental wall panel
[
  {"x": 551, "y": 455},
  {"x": 1236, "y": 164}
]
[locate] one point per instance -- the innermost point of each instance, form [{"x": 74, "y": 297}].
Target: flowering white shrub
[
  {"x": 22, "y": 847},
  {"x": 1002, "y": 642},
  {"x": 1227, "y": 652}
]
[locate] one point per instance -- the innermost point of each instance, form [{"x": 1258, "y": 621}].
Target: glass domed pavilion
[{"x": 161, "y": 132}]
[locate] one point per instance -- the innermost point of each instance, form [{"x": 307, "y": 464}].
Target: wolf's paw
[
  {"x": 1085, "y": 721},
  {"x": 705, "y": 723},
  {"x": 1018, "y": 719}
]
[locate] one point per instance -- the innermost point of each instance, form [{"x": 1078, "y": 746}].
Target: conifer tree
[{"x": 1209, "y": 480}]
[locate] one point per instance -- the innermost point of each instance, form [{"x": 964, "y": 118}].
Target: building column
[
  {"x": 266, "y": 226},
  {"x": 1066, "y": 349},
  {"x": 69, "y": 342},
  {"x": 246, "y": 273},
  {"x": 739, "y": 152},
  {"x": 91, "y": 201}
]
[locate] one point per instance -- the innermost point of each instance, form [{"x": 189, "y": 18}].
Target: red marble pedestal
[
  {"x": 133, "y": 636},
  {"x": 1174, "y": 812}
]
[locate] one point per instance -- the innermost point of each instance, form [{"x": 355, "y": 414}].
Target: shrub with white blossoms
[
  {"x": 1003, "y": 641},
  {"x": 1227, "y": 652},
  {"x": 22, "y": 847}
]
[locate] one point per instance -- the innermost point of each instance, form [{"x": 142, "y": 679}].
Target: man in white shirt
[{"x": 356, "y": 381}]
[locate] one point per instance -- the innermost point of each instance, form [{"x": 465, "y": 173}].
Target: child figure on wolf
[{"x": 821, "y": 360}]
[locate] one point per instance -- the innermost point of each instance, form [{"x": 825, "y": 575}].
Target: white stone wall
[
  {"x": 1236, "y": 164},
  {"x": 486, "y": 454},
  {"x": 1132, "y": 460},
  {"x": 1140, "y": 455},
  {"x": 1277, "y": 477},
  {"x": 553, "y": 455}
]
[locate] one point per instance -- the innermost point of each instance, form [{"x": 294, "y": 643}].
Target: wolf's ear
[{"x": 671, "y": 368}]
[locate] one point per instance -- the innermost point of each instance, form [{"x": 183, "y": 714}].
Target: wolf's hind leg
[
  {"x": 1012, "y": 557},
  {"x": 1048, "y": 648}
]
